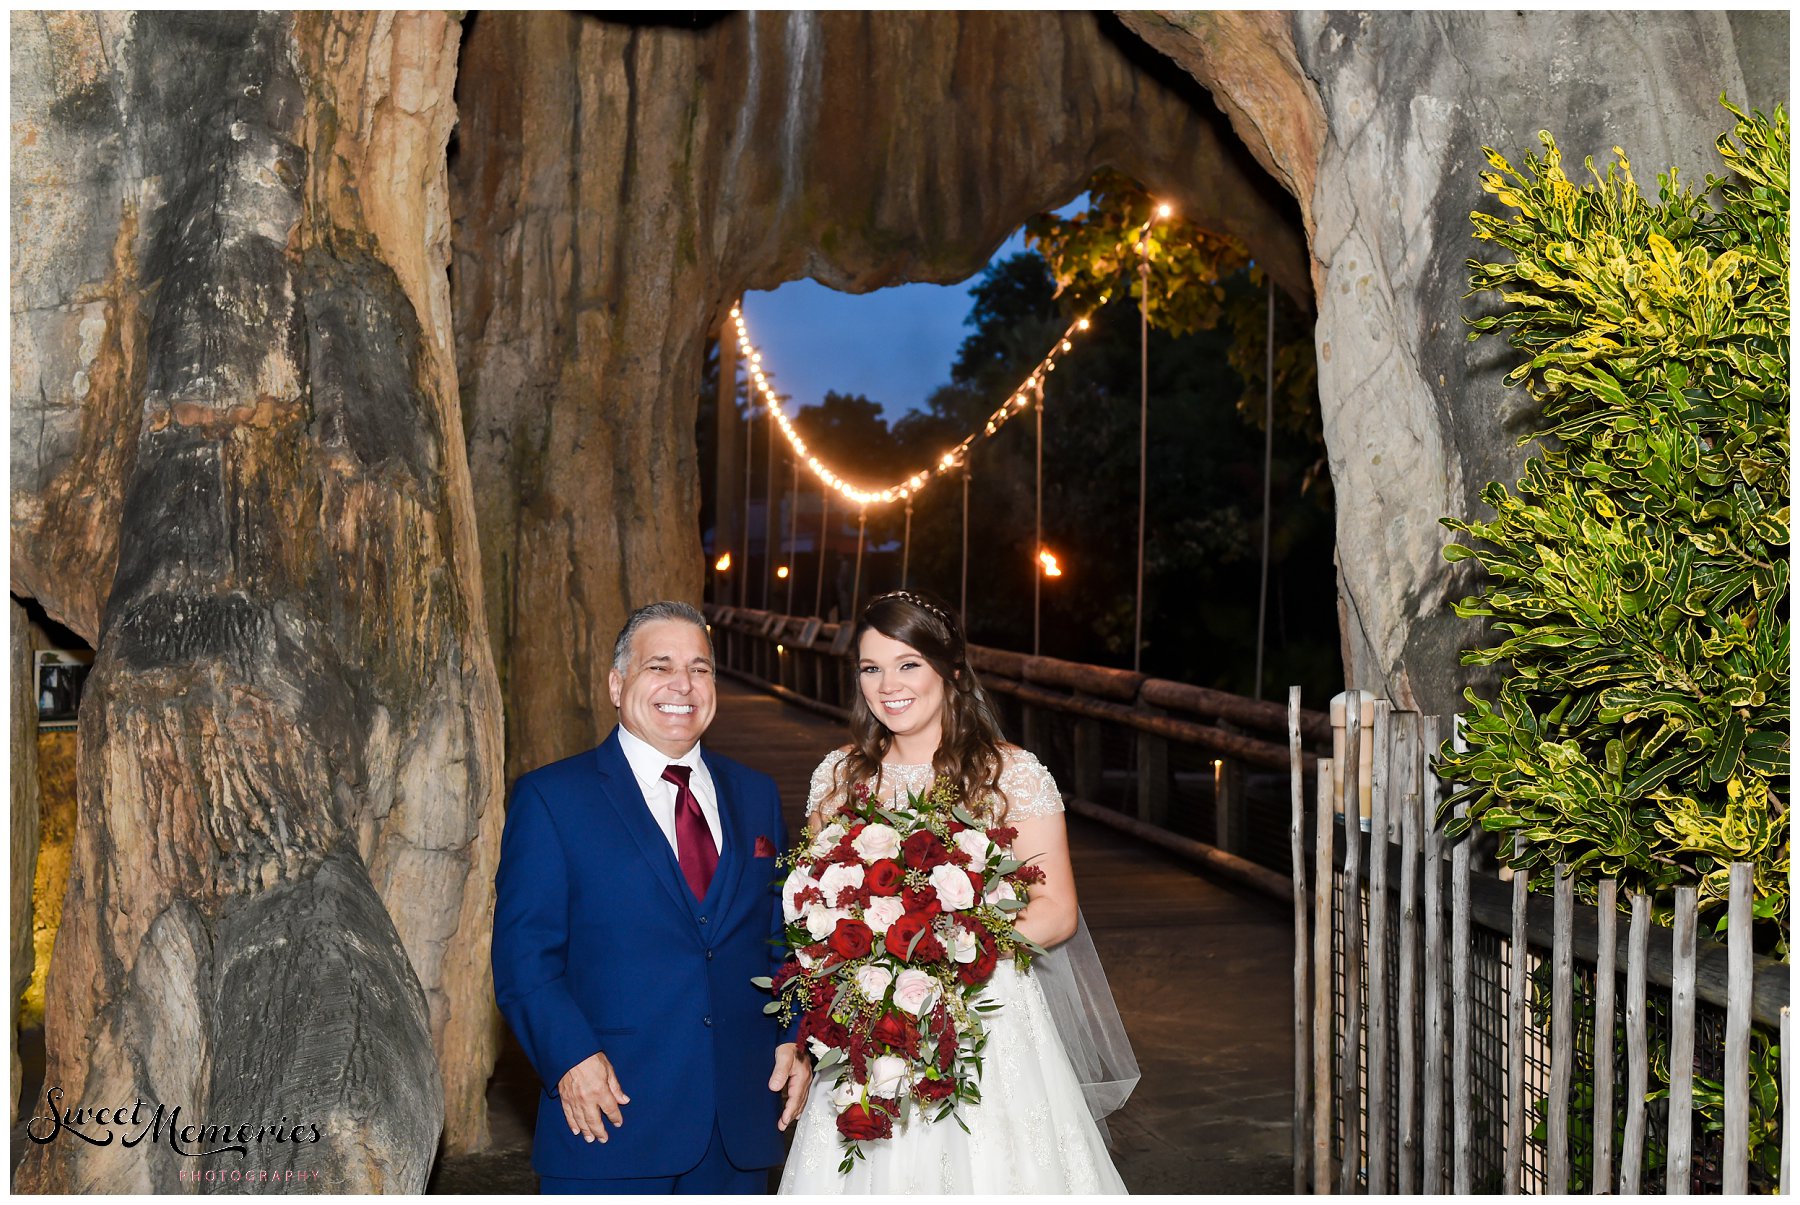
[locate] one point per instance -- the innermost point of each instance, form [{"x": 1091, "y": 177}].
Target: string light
[
  {"x": 781, "y": 572},
  {"x": 1047, "y": 559},
  {"x": 723, "y": 563},
  {"x": 906, "y": 487}
]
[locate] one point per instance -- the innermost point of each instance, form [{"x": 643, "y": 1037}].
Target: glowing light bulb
[
  {"x": 1047, "y": 560},
  {"x": 1163, "y": 211},
  {"x": 723, "y": 563},
  {"x": 1067, "y": 346},
  {"x": 1082, "y": 325},
  {"x": 781, "y": 571}
]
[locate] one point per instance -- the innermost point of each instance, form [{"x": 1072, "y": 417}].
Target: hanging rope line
[{"x": 913, "y": 483}]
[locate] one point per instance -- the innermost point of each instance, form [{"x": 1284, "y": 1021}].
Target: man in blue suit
[{"x": 636, "y": 899}]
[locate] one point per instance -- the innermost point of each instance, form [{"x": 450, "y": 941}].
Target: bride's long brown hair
[{"x": 969, "y": 747}]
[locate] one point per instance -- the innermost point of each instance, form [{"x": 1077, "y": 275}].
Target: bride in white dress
[{"x": 920, "y": 713}]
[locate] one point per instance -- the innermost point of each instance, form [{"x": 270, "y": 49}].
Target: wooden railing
[
  {"x": 1440, "y": 1043},
  {"x": 1198, "y": 771}
]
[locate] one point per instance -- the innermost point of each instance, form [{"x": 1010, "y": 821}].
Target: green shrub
[{"x": 1639, "y": 570}]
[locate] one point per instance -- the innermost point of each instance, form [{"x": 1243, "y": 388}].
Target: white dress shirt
[{"x": 647, "y": 766}]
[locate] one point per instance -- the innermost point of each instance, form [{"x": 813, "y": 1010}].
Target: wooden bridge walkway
[{"x": 1202, "y": 971}]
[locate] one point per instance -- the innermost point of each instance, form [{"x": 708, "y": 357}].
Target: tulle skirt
[{"x": 1031, "y": 1133}]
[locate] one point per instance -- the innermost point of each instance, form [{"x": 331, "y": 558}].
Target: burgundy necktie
[{"x": 693, "y": 840}]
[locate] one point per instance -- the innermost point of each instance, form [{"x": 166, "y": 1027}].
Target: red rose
[
  {"x": 898, "y": 1031},
  {"x": 901, "y": 933},
  {"x": 818, "y": 1023},
  {"x": 858, "y": 1122},
  {"x": 923, "y": 850},
  {"x": 883, "y": 877},
  {"x": 981, "y": 969},
  {"x": 975, "y": 881},
  {"x": 851, "y": 939},
  {"x": 934, "y": 1089},
  {"x": 921, "y": 901},
  {"x": 929, "y": 949}
]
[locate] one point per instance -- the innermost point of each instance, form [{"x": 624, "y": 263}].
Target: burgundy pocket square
[{"x": 765, "y": 848}]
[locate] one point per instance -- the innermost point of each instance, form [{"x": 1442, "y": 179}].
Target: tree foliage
[
  {"x": 1639, "y": 570},
  {"x": 1204, "y": 500}
]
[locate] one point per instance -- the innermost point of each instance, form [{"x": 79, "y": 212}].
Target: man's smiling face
[{"x": 665, "y": 696}]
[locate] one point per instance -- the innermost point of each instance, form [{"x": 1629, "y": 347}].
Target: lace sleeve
[
  {"x": 824, "y": 775},
  {"x": 1028, "y": 787}
]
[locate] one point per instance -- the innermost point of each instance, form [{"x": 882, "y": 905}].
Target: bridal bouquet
[{"x": 896, "y": 917}]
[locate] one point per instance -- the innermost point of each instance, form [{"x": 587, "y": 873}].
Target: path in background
[{"x": 1203, "y": 974}]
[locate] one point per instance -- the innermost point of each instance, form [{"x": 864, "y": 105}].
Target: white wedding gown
[{"x": 1031, "y": 1133}]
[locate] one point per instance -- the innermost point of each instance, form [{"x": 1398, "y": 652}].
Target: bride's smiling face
[{"x": 901, "y": 688}]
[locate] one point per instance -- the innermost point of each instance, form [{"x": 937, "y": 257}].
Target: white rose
[
  {"x": 875, "y": 842},
  {"x": 827, "y": 838},
  {"x": 882, "y": 912},
  {"x": 817, "y": 1047},
  {"x": 1003, "y": 890},
  {"x": 954, "y": 891},
  {"x": 963, "y": 945},
  {"x": 838, "y": 876},
  {"x": 975, "y": 843},
  {"x": 887, "y": 1076},
  {"x": 821, "y": 921},
  {"x": 915, "y": 991},
  {"x": 847, "y": 1092},
  {"x": 873, "y": 981},
  {"x": 797, "y": 882}
]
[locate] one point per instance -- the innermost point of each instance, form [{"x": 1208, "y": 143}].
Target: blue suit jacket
[{"x": 599, "y": 945}]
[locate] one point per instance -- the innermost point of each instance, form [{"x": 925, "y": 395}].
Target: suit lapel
[{"x": 620, "y": 788}]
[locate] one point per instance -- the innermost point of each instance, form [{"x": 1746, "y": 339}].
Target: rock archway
[{"x": 322, "y": 509}]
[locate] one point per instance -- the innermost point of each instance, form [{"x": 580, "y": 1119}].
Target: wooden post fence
[{"x": 1447, "y": 1094}]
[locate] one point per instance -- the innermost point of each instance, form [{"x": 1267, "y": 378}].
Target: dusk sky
[{"x": 893, "y": 346}]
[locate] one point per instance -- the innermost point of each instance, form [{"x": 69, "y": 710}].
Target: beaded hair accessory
[{"x": 923, "y": 604}]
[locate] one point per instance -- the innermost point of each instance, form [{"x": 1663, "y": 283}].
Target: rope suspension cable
[
  {"x": 1137, "y": 629},
  {"x": 1037, "y": 569},
  {"x": 906, "y": 544},
  {"x": 770, "y": 525},
  {"x": 1262, "y": 597},
  {"x": 793, "y": 567},
  {"x": 962, "y": 611},
  {"x": 1143, "y": 250},
  {"x": 824, "y": 530},
  {"x": 862, "y": 527},
  {"x": 743, "y": 590}
]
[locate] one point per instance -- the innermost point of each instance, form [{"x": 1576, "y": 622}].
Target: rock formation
[{"x": 235, "y": 408}]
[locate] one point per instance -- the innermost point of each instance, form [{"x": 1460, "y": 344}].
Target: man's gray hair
[{"x": 650, "y": 613}]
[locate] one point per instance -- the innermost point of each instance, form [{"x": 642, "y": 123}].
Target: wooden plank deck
[{"x": 1202, "y": 973}]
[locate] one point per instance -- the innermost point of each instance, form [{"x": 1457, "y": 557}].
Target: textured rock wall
[
  {"x": 238, "y": 471},
  {"x": 1416, "y": 420},
  {"x": 605, "y": 219}
]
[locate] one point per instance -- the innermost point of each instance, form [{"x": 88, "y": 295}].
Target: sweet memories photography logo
[{"x": 132, "y": 1124}]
